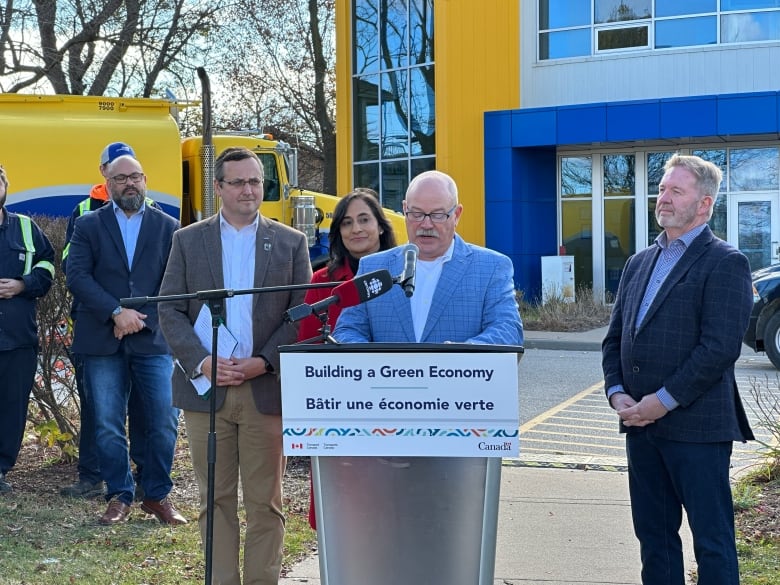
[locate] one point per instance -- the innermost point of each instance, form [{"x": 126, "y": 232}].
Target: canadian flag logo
[{"x": 296, "y": 446}]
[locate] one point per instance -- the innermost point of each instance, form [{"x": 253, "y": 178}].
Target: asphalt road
[{"x": 566, "y": 421}]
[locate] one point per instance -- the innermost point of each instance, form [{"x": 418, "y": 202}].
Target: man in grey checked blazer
[
  {"x": 463, "y": 293},
  {"x": 681, "y": 310}
]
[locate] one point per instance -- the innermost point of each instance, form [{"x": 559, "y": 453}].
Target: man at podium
[{"x": 455, "y": 291}]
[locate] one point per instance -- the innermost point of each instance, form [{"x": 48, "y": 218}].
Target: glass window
[
  {"x": 678, "y": 8},
  {"x": 621, "y": 10},
  {"x": 576, "y": 177},
  {"x": 686, "y": 32},
  {"x": 577, "y": 234},
  {"x": 717, "y": 222},
  {"x": 421, "y": 26},
  {"x": 563, "y": 13},
  {"x": 366, "y": 117},
  {"x": 619, "y": 175},
  {"x": 394, "y": 37},
  {"x": 422, "y": 113},
  {"x": 622, "y": 38},
  {"x": 750, "y": 26},
  {"x": 420, "y": 165},
  {"x": 655, "y": 169},
  {"x": 395, "y": 180},
  {"x": 753, "y": 169},
  {"x": 717, "y": 157},
  {"x": 566, "y": 28},
  {"x": 619, "y": 233},
  {"x": 653, "y": 229},
  {"x": 365, "y": 49},
  {"x": 367, "y": 175},
  {"x": 270, "y": 177},
  {"x": 753, "y": 221},
  {"x": 395, "y": 114},
  {"x": 567, "y": 43},
  {"x": 748, "y": 4}
]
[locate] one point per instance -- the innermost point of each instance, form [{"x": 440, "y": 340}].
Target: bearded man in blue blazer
[
  {"x": 120, "y": 251},
  {"x": 463, "y": 293},
  {"x": 676, "y": 330}
]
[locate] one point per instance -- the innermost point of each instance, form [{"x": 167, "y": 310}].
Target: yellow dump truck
[{"x": 50, "y": 146}]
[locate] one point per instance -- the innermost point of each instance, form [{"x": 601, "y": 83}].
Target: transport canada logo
[{"x": 296, "y": 445}]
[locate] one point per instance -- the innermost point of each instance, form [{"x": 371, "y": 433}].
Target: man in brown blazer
[{"x": 216, "y": 253}]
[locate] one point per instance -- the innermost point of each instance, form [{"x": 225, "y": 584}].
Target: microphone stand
[
  {"x": 324, "y": 336},
  {"x": 215, "y": 301}
]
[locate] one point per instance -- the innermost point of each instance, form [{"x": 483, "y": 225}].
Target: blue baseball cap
[{"x": 114, "y": 151}]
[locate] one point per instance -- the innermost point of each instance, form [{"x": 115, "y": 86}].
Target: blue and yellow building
[{"x": 555, "y": 117}]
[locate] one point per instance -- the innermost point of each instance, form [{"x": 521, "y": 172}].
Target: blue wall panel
[
  {"x": 754, "y": 113},
  {"x": 689, "y": 117},
  {"x": 525, "y": 227},
  {"x": 535, "y": 127},
  {"x": 639, "y": 120},
  {"x": 498, "y": 129},
  {"x": 582, "y": 124}
]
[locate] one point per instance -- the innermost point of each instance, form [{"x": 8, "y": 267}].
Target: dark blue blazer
[
  {"x": 98, "y": 276},
  {"x": 688, "y": 341}
]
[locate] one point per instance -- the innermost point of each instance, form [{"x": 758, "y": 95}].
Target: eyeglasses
[
  {"x": 239, "y": 183},
  {"x": 436, "y": 216},
  {"x": 122, "y": 179}
]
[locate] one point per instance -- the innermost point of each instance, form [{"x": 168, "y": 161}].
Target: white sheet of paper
[{"x": 226, "y": 344}]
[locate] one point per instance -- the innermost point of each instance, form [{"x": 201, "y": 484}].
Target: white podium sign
[{"x": 425, "y": 404}]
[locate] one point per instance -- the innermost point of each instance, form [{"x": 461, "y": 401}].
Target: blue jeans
[
  {"x": 89, "y": 459},
  {"x": 109, "y": 379}
]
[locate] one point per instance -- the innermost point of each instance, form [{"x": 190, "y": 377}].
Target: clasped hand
[
  {"x": 127, "y": 322},
  {"x": 638, "y": 414},
  {"x": 234, "y": 371}
]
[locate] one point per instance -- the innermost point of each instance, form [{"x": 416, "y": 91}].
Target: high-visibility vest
[{"x": 29, "y": 248}]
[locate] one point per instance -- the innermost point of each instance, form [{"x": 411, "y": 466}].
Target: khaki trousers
[{"x": 250, "y": 443}]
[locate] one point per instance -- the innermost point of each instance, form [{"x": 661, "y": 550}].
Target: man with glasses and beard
[{"x": 120, "y": 251}]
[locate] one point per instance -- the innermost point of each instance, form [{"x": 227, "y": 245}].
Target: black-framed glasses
[
  {"x": 123, "y": 179},
  {"x": 436, "y": 216},
  {"x": 239, "y": 183}
]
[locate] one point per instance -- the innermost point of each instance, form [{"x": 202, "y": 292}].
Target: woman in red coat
[{"x": 359, "y": 227}]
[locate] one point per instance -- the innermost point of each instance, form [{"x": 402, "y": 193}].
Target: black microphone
[
  {"x": 133, "y": 302},
  {"x": 352, "y": 292},
  {"x": 410, "y": 268}
]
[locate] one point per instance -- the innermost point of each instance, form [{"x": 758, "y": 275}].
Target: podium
[{"x": 406, "y": 443}]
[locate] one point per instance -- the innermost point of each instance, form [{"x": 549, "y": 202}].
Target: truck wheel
[{"x": 772, "y": 340}]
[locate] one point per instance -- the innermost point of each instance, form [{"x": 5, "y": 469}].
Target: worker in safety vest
[{"x": 26, "y": 273}]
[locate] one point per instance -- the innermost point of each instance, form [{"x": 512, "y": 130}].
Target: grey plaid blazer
[{"x": 688, "y": 341}]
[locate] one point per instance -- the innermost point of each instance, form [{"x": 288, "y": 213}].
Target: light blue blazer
[{"x": 474, "y": 302}]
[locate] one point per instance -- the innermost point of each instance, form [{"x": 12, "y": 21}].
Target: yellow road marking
[{"x": 545, "y": 415}]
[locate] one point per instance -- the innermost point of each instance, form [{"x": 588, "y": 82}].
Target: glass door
[{"x": 753, "y": 227}]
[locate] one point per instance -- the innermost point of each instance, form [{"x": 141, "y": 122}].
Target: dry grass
[{"x": 558, "y": 315}]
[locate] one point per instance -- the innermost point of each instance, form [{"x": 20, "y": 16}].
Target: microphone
[
  {"x": 133, "y": 302},
  {"x": 410, "y": 268},
  {"x": 348, "y": 294}
]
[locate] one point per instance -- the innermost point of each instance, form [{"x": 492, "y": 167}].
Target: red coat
[{"x": 310, "y": 325}]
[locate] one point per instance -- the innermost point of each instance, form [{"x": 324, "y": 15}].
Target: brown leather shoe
[
  {"x": 115, "y": 513},
  {"x": 164, "y": 511}
]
